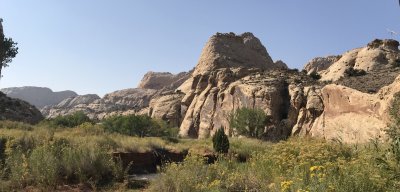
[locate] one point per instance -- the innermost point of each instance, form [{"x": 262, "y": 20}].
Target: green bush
[
  {"x": 248, "y": 122},
  {"x": 315, "y": 75},
  {"x": 220, "y": 141},
  {"x": 293, "y": 165},
  {"x": 351, "y": 72},
  {"x": 72, "y": 120},
  {"x": 137, "y": 125}
]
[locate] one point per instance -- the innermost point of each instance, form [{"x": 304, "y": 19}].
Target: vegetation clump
[
  {"x": 314, "y": 75},
  {"x": 72, "y": 120},
  {"x": 351, "y": 72},
  {"x": 248, "y": 122},
  {"x": 138, "y": 125},
  {"x": 220, "y": 141}
]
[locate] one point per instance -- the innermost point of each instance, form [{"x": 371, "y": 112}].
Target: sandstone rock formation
[
  {"x": 378, "y": 55},
  {"x": 321, "y": 63},
  {"x": 123, "y": 102},
  {"x": 160, "y": 80},
  {"x": 354, "y": 109},
  {"x": 233, "y": 72},
  {"x": 18, "y": 110},
  {"x": 236, "y": 71},
  {"x": 231, "y": 51},
  {"x": 38, "y": 96}
]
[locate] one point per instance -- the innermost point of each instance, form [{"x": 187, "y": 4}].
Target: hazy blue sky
[{"x": 99, "y": 46}]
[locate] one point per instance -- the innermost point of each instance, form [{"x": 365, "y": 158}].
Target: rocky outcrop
[
  {"x": 18, "y": 110},
  {"x": 234, "y": 71},
  {"x": 320, "y": 63},
  {"x": 227, "y": 50},
  {"x": 167, "y": 107},
  {"x": 38, "y": 96},
  {"x": 123, "y": 102},
  {"x": 161, "y": 80},
  {"x": 377, "y": 55}
]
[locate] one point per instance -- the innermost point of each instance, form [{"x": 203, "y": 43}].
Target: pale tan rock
[
  {"x": 320, "y": 63},
  {"x": 348, "y": 115},
  {"x": 160, "y": 80},
  {"x": 167, "y": 107},
  {"x": 232, "y": 51},
  {"x": 123, "y": 102},
  {"x": 377, "y": 55}
]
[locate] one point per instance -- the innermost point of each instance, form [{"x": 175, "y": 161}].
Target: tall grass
[{"x": 293, "y": 165}]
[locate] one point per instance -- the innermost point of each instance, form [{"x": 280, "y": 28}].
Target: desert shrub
[
  {"x": 72, "y": 120},
  {"x": 220, "y": 141},
  {"x": 85, "y": 163},
  {"x": 44, "y": 166},
  {"x": 59, "y": 162},
  {"x": 293, "y": 165},
  {"x": 315, "y": 75},
  {"x": 137, "y": 125},
  {"x": 396, "y": 63},
  {"x": 15, "y": 125},
  {"x": 351, "y": 72},
  {"x": 248, "y": 122}
]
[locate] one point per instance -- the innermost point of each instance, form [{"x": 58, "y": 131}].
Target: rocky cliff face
[
  {"x": 354, "y": 108},
  {"x": 38, "y": 96},
  {"x": 377, "y": 55},
  {"x": 321, "y": 63},
  {"x": 18, "y": 110},
  {"x": 236, "y": 71},
  {"x": 123, "y": 102},
  {"x": 161, "y": 80}
]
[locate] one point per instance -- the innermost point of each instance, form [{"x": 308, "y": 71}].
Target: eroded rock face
[
  {"x": 339, "y": 112},
  {"x": 378, "y": 55},
  {"x": 234, "y": 71},
  {"x": 320, "y": 63},
  {"x": 123, "y": 102},
  {"x": 38, "y": 96},
  {"x": 160, "y": 80},
  {"x": 231, "y": 51},
  {"x": 167, "y": 107},
  {"x": 18, "y": 110}
]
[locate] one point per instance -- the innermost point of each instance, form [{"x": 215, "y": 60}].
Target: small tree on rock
[{"x": 220, "y": 141}]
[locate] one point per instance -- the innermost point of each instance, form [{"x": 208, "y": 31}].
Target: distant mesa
[{"x": 38, "y": 96}]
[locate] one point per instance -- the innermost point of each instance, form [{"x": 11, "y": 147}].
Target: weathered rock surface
[
  {"x": 38, "y": 96},
  {"x": 160, "y": 80},
  {"x": 227, "y": 50},
  {"x": 123, "y": 102},
  {"x": 234, "y": 71},
  {"x": 320, "y": 63},
  {"x": 18, "y": 110},
  {"x": 377, "y": 55}
]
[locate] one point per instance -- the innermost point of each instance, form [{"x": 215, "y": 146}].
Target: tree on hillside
[
  {"x": 249, "y": 122},
  {"x": 8, "y": 49}
]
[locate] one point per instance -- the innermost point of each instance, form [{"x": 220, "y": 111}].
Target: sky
[{"x": 100, "y": 46}]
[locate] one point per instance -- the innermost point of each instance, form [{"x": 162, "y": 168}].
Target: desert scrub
[
  {"x": 57, "y": 162},
  {"x": 293, "y": 165}
]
